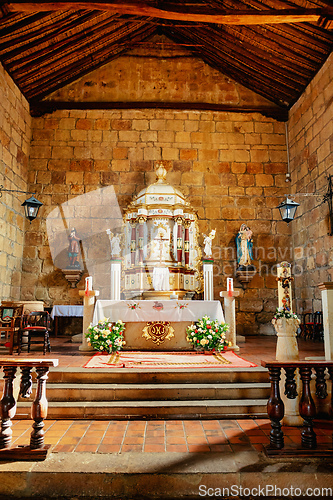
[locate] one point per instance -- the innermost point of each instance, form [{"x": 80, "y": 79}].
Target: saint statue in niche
[
  {"x": 208, "y": 243},
  {"x": 115, "y": 245},
  {"x": 74, "y": 249},
  {"x": 244, "y": 244}
]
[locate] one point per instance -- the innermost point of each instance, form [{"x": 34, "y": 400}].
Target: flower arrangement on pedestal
[
  {"x": 284, "y": 312},
  {"x": 208, "y": 335},
  {"x": 285, "y": 321},
  {"x": 106, "y": 336}
]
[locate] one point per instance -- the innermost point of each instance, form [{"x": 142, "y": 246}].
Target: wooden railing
[
  {"x": 307, "y": 407},
  {"x": 36, "y": 450}
]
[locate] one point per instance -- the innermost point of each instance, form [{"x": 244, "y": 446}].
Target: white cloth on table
[
  {"x": 69, "y": 311},
  {"x": 157, "y": 310}
]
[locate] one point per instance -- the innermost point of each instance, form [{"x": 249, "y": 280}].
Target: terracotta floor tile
[
  {"x": 198, "y": 448},
  {"x": 156, "y": 440},
  {"x": 156, "y": 448},
  {"x": 63, "y": 448},
  {"x": 92, "y": 448},
  {"x": 133, "y": 440},
  {"x": 217, "y": 440},
  {"x": 223, "y": 448},
  {"x": 259, "y": 439},
  {"x": 131, "y": 447},
  {"x": 108, "y": 448},
  {"x": 179, "y": 448}
]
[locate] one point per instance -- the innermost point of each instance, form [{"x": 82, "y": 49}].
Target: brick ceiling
[{"x": 272, "y": 47}]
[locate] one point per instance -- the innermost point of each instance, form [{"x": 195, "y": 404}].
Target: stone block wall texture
[
  {"x": 311, "y": 161},
  {"x": 15, "y": 136},
  {"x": 86, "y": 164}
]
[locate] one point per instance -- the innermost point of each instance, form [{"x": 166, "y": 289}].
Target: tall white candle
[
  {"x": 89, "y": 283},
  {"x": 230, "y": 285}
]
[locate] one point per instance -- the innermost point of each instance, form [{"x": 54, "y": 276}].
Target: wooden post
[
  {"x": 275, "y": 409},
  {"x": 307, "y": 410},
  {"x": 39, "y": 409},
  {"x": 8, "y": 407}
]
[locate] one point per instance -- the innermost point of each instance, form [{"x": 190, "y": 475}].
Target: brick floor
[{"x": 189, "y": 436}]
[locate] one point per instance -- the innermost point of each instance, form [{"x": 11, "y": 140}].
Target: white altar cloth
[
  {"x": 154, "y": 310},
  {"x": 62, "y": 310}
]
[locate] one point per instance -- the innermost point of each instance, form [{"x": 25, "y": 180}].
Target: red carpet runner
[{"x": 166, "y": 360}]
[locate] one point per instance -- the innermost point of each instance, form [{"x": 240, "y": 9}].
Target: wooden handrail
[
  {"x": 37, "y": 450},
  {"x": 307, "y": 407}
]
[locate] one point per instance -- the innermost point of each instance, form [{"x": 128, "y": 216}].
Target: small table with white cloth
[
  {"x": 64, "y": 311},
  {"x": 138, "y": 314}
]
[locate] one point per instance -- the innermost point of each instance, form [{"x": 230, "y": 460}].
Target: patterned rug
[{"x": 142, "y": 359}]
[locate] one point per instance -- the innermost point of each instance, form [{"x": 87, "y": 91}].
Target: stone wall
[
  {"x": 230, "y": 165},
  {"x": 311, "y": 161},
  {"x": 15, "y": 135}
]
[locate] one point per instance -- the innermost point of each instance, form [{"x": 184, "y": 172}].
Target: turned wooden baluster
[
  {"x": 290, "y": 383},
  {"x": 321, "y": 388},
  {"x": 307, "y": 410},
  {"x": 330, "y": 371},
  {"x": 26, "y": 382},
  {"x": 275, "y": 409},
  {"x": 8, "y": 407},
  {"x": 39, "y": 409}
]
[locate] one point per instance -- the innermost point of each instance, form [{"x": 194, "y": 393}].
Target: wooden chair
[
  {"x": 308, "y": 325},
  {"x": 318, "y": 327},
  {"x": 10, "y": 321},
  {"x": 35, "y": 325}
]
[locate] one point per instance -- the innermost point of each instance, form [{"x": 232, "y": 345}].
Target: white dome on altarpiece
[{"x": 160, "y": 192}]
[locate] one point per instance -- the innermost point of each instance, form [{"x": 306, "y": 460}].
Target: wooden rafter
[{"x": 183, "y": 13}]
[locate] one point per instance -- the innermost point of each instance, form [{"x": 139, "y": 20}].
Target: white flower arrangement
[
  {"x": 106, "y": 336},
  {"x": 284, "y": 312},
  {"x": 208, "y": 335}
]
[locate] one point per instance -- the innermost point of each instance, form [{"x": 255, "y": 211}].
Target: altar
[{"x": 157, "y": 324}]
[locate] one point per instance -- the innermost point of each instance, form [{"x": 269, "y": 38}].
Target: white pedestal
[
  {"x": 327, "y": 302},
  {"x": 208, "y": 279},
  {"x": 230, "y": 316},
  {"x": 115, "y": 279},
  {"x": 88, "y": 312},
  {"x": 287, "y": 350}
]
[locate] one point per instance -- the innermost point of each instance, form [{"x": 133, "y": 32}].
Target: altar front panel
[{"x": 136, "y": 315}]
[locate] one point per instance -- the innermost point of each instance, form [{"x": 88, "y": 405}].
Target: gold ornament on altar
[{"x": 158, "y": 331}]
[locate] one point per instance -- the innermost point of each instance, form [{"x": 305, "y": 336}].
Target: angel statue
[
  {"x": 115, "y": 243},
  {"x": 208, "y": 243},
  {"x": 244, "y": 244}
]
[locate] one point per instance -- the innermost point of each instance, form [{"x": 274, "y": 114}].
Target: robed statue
[
  {"x": 244, "y": 244},
  {"x": 74, "y": 249}
]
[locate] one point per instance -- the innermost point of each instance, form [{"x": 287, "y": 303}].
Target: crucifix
[{"x": 284, "y": 280}]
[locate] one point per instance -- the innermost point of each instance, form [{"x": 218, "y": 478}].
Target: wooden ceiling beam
[
  {"x": 237, "y": 17},
  {"x": 39, "y": 108}
]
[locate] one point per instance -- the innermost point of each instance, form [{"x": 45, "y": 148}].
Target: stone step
[
  {"x": 109, "y": 410},
  {"x": 151, "y": 392},
  {"x": 162, "y": 376}
]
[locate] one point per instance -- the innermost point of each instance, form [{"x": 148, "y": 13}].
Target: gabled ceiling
[{"x": 272, "y": 47}]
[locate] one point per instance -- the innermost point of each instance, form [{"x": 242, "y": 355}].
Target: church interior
[{"x": 165, "y": 164}]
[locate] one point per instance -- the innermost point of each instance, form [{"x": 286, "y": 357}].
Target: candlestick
[
  {"x": 88, "y": 287},
  {"x": 230, "y": 286}
]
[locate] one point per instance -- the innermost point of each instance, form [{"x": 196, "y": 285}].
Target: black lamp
[
  {"x": 31, "y": 205},
  {"x": 288, "y": 209}
]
